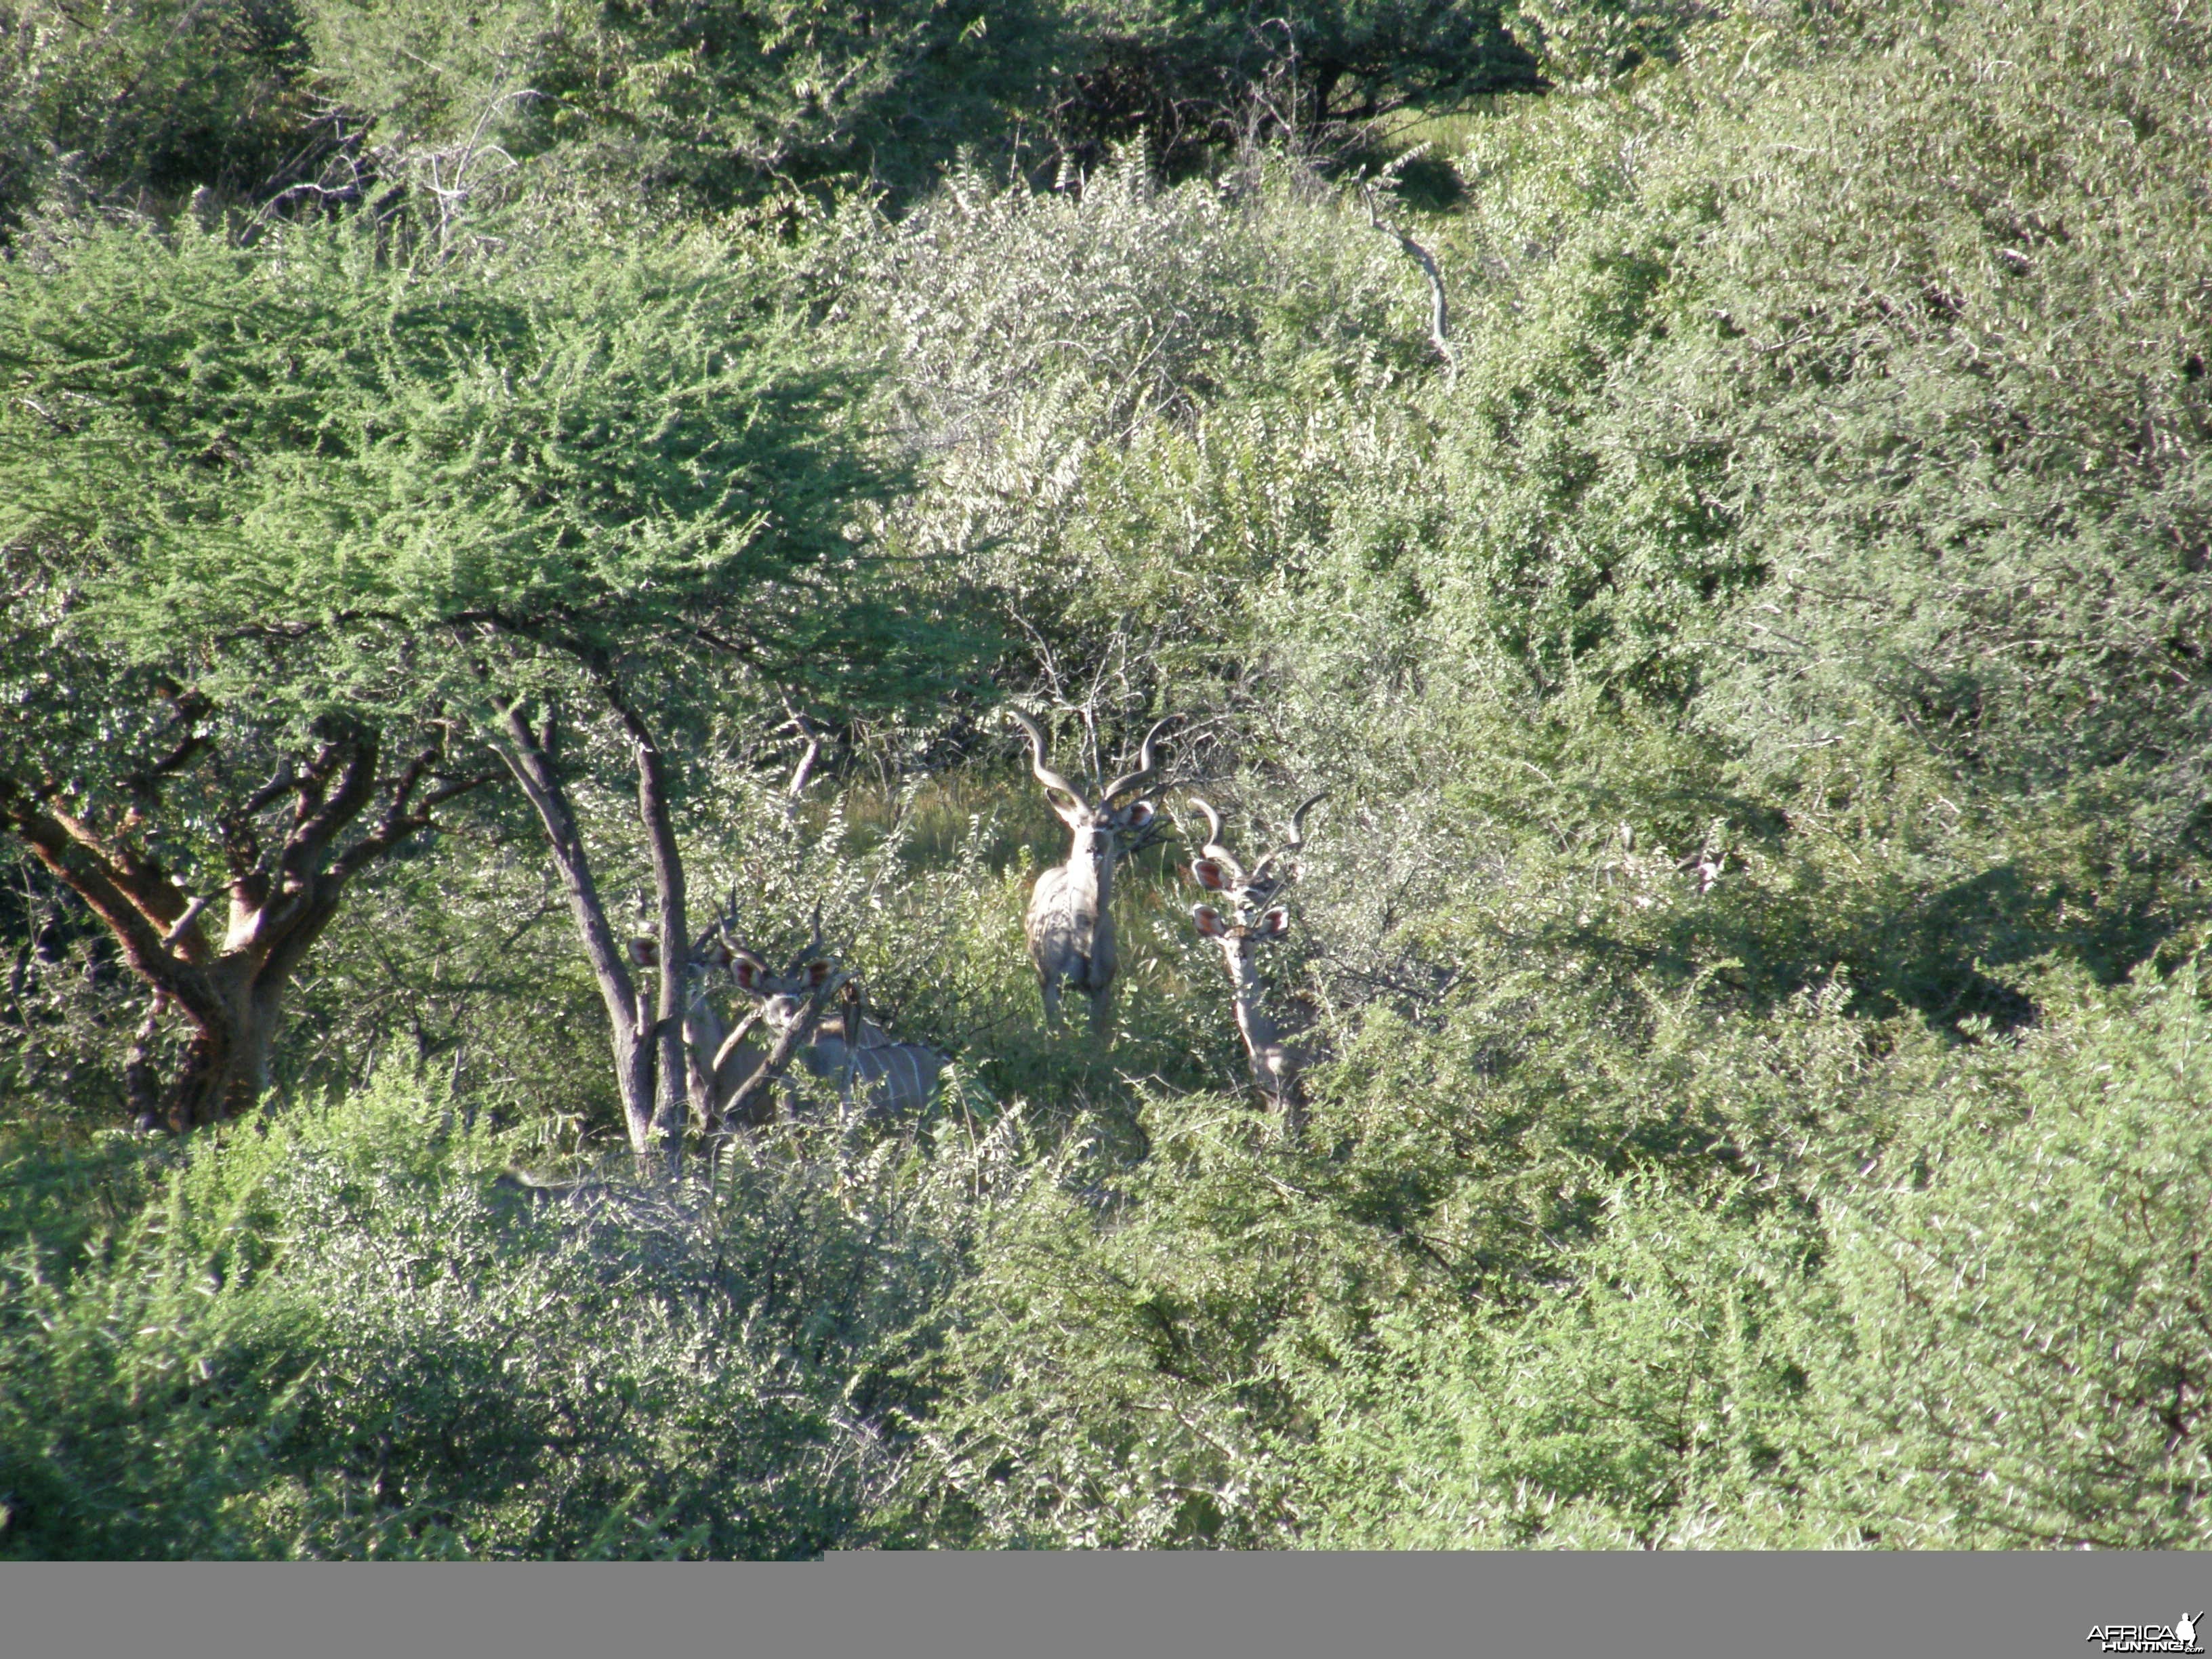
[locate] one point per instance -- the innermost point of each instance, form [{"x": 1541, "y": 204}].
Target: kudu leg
[{"x": 1102, "y": 1013}]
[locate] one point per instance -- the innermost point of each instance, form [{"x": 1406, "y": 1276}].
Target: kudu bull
[
  {"x": 1252, "y": 918},
  {"x": 1071, "y": 918}
]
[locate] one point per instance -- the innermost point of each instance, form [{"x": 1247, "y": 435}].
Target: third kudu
[
  {"x": 888, "y": 1078},
  {"x": 1252, "y": 918},
  {"x": 1071, "y": 920},
  {"x": 719, "y": 1057}
]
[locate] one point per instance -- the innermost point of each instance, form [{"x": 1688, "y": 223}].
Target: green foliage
[
  {"x": 1984, "y": 1336},
  {"x": 1586, "y": 44},
  {"x": 1108, "y": 1380},
  {"x": 316, "y": 1341},
  {"x": 1994, "y": 538},
  {"x": 574, "y": 447},
  {"x": 1748, "y": 949},
  {"x": 676, "y": 109},
  {"x": 2021, "y": 1280},
  {"x": 259, "y": 499},
  {"x": 407, "y": 968},
  {"x": 689, "y": 108},
  {"x": 1190, "y": 77},
  {"x": 142, "y": 104},
  {"x": 61, "y": 1192},
  {"x": 1657, "y": 1397},
  {"x": 60, "y": 1064},
  {"x": 937, "y": 942}
]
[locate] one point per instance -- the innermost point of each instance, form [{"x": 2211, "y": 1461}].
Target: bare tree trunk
[
  {"x": 530, "y": 757},
  {"x": 656, "y": 818},
  {"x": 660, "y": 1079},
  {"x": 1439, "y": 308}
]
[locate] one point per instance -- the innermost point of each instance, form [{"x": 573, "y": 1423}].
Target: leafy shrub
[
  {"x": 1746, "y": 948},
  {"x": 1983, "y": 1336},
  {"x": 140, "y": 105},
  {"x": 339, "y": 1336},
  {"x": 1656, "y": 1397},
  {"x": 2021, "y": 1282}
]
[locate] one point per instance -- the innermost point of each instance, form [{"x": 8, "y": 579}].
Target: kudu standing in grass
[
  {"x": 1071, "y": 918},
  {"x": 889, "y": 1079},
  {"x": 1250, "y": 919}
]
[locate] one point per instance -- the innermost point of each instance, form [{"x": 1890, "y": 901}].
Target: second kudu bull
[
  {"x": 1247, "y": 916},
  {"x": 1071, "y": 918},
  {"x": 888, "y": 1078}
]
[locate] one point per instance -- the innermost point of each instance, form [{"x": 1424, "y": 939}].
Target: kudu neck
[
  {"x": 1090, "y": 872},
  {"x": 1244, "y": 976}
]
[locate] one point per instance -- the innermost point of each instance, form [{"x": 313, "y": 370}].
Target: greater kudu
[
  {"x": 719, "y": 1059},
  {"x": 1071, "y": 918},
  {"x": 1251, "y": 919},
  {"x": 888, "y": 1078}
]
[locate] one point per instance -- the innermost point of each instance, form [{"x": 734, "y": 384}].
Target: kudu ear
[
  {"x": 1209, "y": 921},
  {"x": 816, "y": 975},
  {"x": 1210, "y": 874},
  {"x": 719, "y": 953},
  {"x": 748, "y": 970},
  {"x": 1273, "y": 925},
  {"x": 644, "y": 952},
  {"x": 1137, "y": 815}
]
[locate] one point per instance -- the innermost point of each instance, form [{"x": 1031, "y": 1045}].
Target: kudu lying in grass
[{"x": 804, "y": 1013}]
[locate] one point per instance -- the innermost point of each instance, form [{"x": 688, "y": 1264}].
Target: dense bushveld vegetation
[{"x": 1757, "y": 658}]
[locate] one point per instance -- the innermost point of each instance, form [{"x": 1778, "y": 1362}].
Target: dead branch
[{"x": 1439, "y": 310}]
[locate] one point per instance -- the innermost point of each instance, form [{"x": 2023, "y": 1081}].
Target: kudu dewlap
[{"x": 1069, "y": 924}]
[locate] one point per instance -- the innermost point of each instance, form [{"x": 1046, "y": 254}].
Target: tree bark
[
  {"x": 656, "y": 818},
  {"x": 530, "y": 756},
  {"x": 231, "y": 991},
  {"x": 1439, "y": 306}
]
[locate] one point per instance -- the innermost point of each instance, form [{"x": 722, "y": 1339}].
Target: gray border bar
[{"x": 1281, "y": 1607}]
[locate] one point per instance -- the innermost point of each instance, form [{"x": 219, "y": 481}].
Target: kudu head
[
  {"x": 1105, "y": 831},
  {"x": 782, "y": 996},
  {"x": 709, "y": 954},
  {"x": 1249, "y": 916}
]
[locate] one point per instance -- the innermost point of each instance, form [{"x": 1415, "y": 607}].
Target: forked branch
[{"x": 1439, "y": 308}]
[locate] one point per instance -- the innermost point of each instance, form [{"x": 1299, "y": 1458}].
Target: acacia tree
[
  {"x": 215, "y": 847},
  {"x": 208, "y": 791},
  {"x": 474, "y": 498}
]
